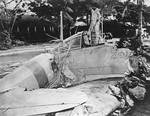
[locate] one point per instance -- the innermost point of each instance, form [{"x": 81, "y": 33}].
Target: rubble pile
[{"x": 133, "y": 86}]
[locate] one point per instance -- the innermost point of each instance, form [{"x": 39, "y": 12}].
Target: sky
[{"x": 147, "y": 2}]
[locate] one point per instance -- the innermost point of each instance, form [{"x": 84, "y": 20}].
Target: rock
[
  {"x": 138, "y": 92},
  {"x": 79, "y": 111}
]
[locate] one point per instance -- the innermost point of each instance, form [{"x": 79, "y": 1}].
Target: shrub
[{"x": 5, "y": 40}]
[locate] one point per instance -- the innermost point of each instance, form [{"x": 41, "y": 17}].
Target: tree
[
  {"x": 129, "y": 12},
  {"x": 50, "y": 10},
  {"x": 7, "y": 20}
]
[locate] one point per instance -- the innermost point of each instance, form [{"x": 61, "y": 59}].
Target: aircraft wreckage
[{"x": 48, "y": 84}]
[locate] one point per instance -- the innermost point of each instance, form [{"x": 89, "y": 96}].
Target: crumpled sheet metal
[{"x": 100, "y": 105}]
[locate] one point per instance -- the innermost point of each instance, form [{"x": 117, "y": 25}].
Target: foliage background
[{"x": 49, "y": 10}]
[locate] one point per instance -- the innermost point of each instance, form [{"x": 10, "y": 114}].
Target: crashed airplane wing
[{"x": 42, "y": 101}]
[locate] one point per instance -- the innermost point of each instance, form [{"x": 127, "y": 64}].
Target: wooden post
[
  {"x": 102, "y": 25},
  {"x": 139, "y": 2},
  {"x": 61, "y": 25},
  {"x": 61, "y": 44},
  {"x": 141, "y": 20}
]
